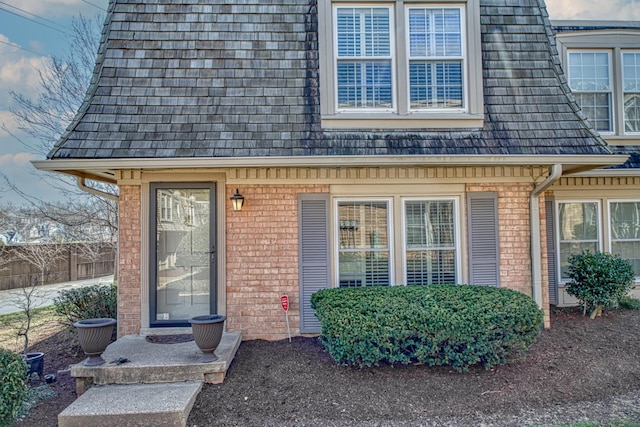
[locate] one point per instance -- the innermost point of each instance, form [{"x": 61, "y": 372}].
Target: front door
[{"x": 183, "y": 253}]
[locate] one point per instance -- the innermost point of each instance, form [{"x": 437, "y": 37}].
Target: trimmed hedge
[{"x": 452, "y": 325}]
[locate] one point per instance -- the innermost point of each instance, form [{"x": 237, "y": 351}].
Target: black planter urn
[
  {"x": 207, "y": 333},
  {"x": 35, "y": 363},
  {"x": 94, "y": 336}
]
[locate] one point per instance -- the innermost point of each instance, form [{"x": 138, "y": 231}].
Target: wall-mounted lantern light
[{"x": 237, "y": 201}]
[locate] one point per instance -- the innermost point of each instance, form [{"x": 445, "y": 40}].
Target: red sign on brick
[{"x": 284, "y": 302}]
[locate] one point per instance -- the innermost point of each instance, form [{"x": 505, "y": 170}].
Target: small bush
[
  {"x": 599, "y": 280},
  {"x": 630, "y": 303},
  {"x": 90, "y": 302},
  {"x": 13, "y": 386},
  {"x": 458, "y": 326}
]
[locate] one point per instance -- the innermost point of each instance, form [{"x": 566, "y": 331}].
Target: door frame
[{"x": 153, "y": 261}]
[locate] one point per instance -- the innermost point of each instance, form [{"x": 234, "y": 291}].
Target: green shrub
[
  {"x": 90, "y": 302},
  {"x": 458, "y": 326},
  {"x": 13, "y": 386},
  {"x": 599, "y": 280},
  {"x": 630, "y": 303}
]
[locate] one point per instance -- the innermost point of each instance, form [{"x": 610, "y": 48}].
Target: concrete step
[
  {"x": 166, "y": 405},
  {"x": 156, "y": 363}
]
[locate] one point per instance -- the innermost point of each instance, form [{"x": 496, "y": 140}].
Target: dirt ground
[{"x": 577, "y": 365}]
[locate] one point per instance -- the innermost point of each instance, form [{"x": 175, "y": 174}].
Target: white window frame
[
  {"x": 611, "y": 92},
  {"x": 336, "y": 233},
  {"x": 457, "y": 231},
  {"x": 336, "y": 60},
  {"x": 166, "y": 207},
  {"x": 609, "y": 225},
  {"x": 599, "y": 244},
  {"x": 624, "y": 111},
  {"x": 463, "y": 58},
  {"x": 401, "y": 117}
]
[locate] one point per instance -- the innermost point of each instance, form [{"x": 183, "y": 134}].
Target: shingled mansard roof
[{"x": 215, "y": 78}]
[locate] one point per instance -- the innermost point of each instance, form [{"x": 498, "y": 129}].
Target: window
[
  {"x": 435, "y": 58},
  {"x": 624, "y": 220},
  {"x": 578, "y": 230},
  {"x": 166, "y": 206},
  {"x": 364, "y": 60},
  {"x": 428, "y": 234},
  {"x": 364, "y": 249},
  {"x": 631, "y": 91},
  {"x": 589, "y": 79},
  {"x": 406, "y": 61},
  {"x": 430, "y": 242}
]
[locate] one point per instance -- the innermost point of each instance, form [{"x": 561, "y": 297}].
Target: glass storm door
[{"x": 183, "y": 251}]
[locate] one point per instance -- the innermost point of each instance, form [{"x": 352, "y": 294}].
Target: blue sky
[{"x": 19, "y": 67}]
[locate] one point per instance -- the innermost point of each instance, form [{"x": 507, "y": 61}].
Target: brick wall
[
  {"x": 129, "y": 303},
  {"x": 262, "y": 259}
]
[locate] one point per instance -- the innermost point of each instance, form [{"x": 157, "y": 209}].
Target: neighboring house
[
  {"x": 600, "y": 209},
  {"x": 374, "y": 143}
]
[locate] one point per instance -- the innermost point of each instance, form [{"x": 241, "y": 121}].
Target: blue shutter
[
  {"x": 482, "y": 217},
  {"x": 313, "y": 255}
]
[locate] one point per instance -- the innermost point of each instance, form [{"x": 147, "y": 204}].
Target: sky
[{"x": 25, "y": 46}]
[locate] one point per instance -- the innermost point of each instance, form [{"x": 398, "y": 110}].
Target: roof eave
[{"x": 103, "y": 169}]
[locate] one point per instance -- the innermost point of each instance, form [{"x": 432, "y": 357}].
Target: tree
[
  {"x": 63, "y": 86},
  {"x": 42, "y": 257}
]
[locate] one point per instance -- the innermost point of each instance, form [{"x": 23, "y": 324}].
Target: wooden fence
[{"x": 61, "y": 263}]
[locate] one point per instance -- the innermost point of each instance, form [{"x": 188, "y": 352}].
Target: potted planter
[
  {"x": 94, "y": 336},
  {"x": 35, "y": 363},
  {"x": 207, "y": 333}
]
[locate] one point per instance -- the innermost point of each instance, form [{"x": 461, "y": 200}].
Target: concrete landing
[
  {"x": 157, "y": 363},
  {"x": 166, "y": 405}
]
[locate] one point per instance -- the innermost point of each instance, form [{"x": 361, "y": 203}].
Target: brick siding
[
  {"x": 262, "y": 260},
  {"x": 129, "y": 280}
]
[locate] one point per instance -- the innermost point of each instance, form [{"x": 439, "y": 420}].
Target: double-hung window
[
  {"x": 364, "y": 60},
  {"x": 430, "y": 242},
  {"x": 578, "y": 230},
  {"x": 590, "y": 82},
  {"x": 363, "y": 243},
  {"x": 435, "y": 55},
  {"x": 166, "y": 207},
  {"x": 624, "y": 218},
  {"x": 631, "y": 91},
  {"x": 400, "y": 61}
]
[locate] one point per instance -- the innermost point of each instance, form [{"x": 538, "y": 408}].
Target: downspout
[
  {"x": 534, "y": 211},
  {"x": 82, "y": 184}
]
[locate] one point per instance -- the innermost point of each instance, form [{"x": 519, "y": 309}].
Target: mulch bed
[{"x": 297, "y": 383}]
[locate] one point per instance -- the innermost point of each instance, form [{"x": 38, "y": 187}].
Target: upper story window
[
  {"x": 603, "y": 69},
  {"x": 590, "y": 81},
  {"x": 631, "y": 91},
  {"x": 436, "y": 77},
  {"x": 382, "y": 63},
  {"x": 364, "y": 59}
]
